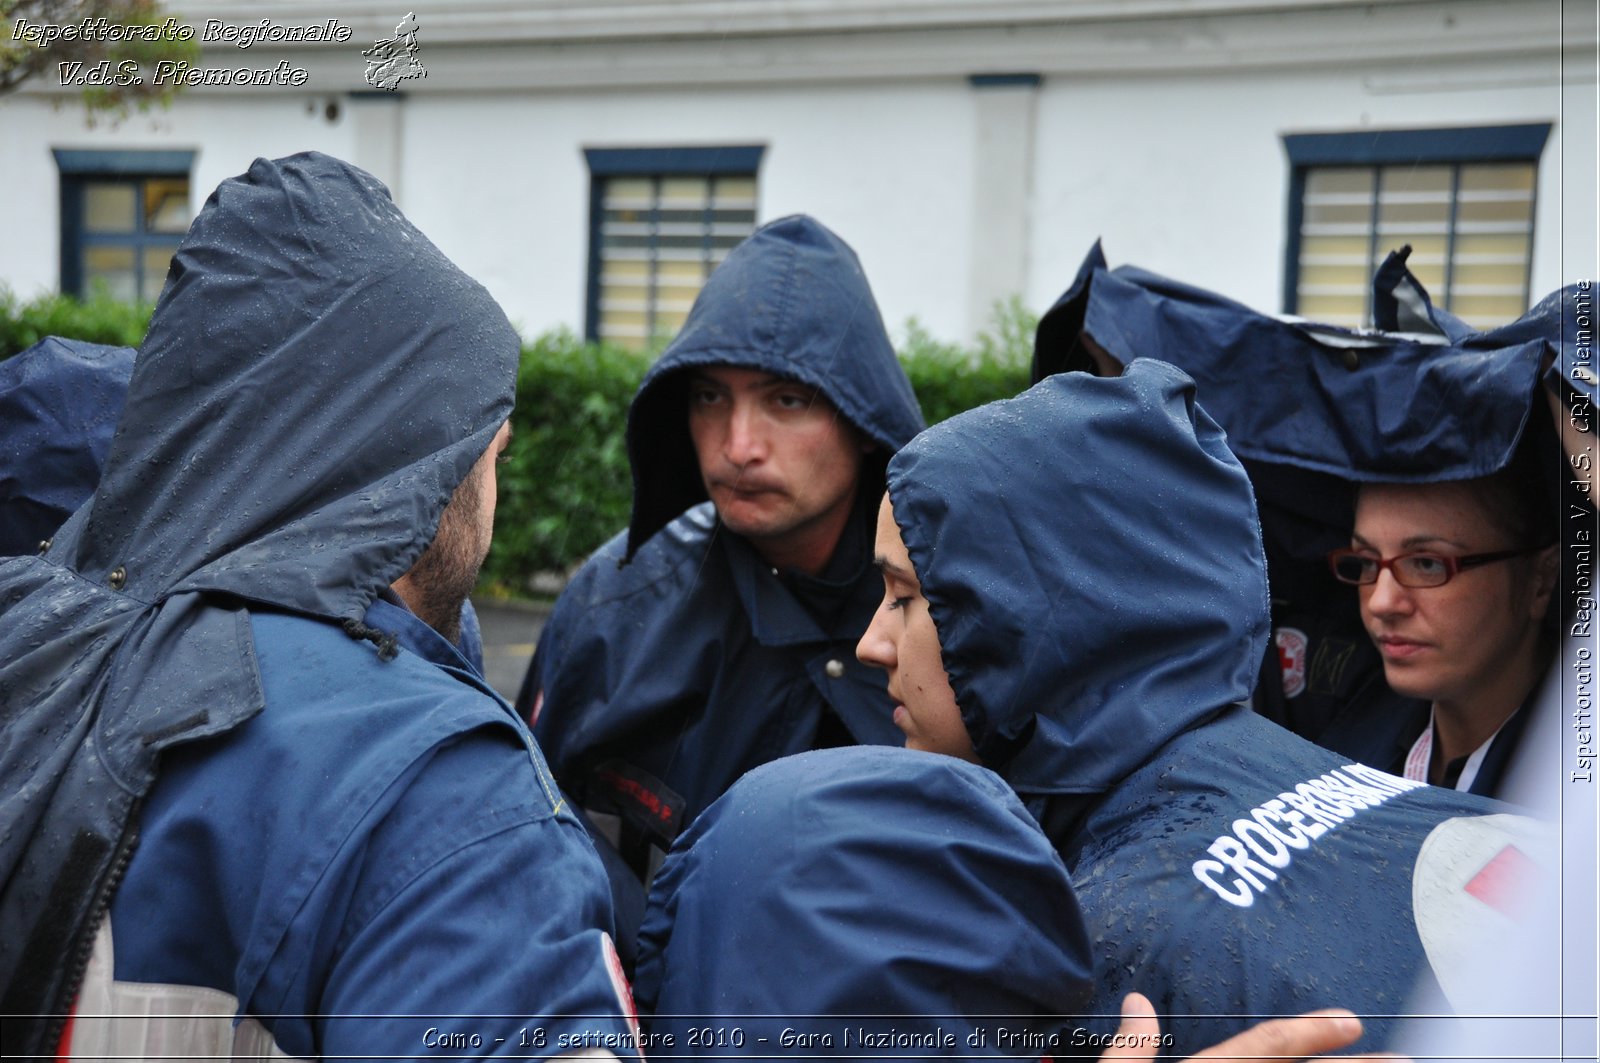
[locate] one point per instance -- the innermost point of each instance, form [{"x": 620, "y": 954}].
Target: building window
[
  {"x": 123, "y": 214},
  {"x": 1462, "y": 198},
  {"x": 660, "y": 221}
]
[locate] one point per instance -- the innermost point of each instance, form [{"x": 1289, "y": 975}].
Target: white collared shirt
[{"x": 1421, "y": 756}]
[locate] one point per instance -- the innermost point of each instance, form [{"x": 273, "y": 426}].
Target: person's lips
[
  {"x": 745, "y": 488},
  {"x": 1396, "y": 648},
  {"x": 901, "y": 717}
]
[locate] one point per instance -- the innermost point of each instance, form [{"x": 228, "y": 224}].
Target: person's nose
[
  {"x": 1386, "y": 597},
  {"x": 876, "y": 648},
  {"x": 746, "y": 440}
]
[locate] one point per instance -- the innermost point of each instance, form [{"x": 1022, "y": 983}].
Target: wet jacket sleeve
[
  {"x": 357, "y": 911},
  {"x": 477, "y": 929},
  {"x": 546, "y": 657},
  {"x": 574, "y": 626}
]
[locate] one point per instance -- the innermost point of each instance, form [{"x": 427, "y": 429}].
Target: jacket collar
[
  {"x": 776, "y": 617},
  {"x": 789, "y": 608},
  {"x": 389, "y": 614}
]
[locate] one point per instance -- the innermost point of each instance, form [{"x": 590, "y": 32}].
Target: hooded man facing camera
[
  {"x": 715, "y": 634},
  {"x": 254, "y": 800}
]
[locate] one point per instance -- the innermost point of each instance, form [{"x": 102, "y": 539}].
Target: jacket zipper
[{"x": 78, "y": 964}]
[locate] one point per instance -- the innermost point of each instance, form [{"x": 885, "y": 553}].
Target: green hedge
[
  {"x": 98, "y": 319},
  {"x": 565, "y": 488},
  {"x": 949, "y": 379}
]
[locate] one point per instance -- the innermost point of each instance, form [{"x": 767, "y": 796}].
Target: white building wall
[
  {"x": 1159, "y": 133},
  {"x": 886, "y": 166},
  {"x": 1569, "y": 184},
  {"x": 1188, "y": 176}
]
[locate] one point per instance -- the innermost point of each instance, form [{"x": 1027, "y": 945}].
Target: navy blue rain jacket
[
  {"x": 316, "y": 381},
  {"x": 677, "y": 659},
  {"x": 1091, "y": 559},
  {"x": 59, "y": 404},
  {"x": 1312, "y": 410},
  {"x": 1401, "y": 303},
  {"x": 1360, "y": 405},
  {"x": 862, "y": 903}
]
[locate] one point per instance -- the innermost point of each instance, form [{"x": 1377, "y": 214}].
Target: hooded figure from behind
[
  {"x": 1089, "y": 556},
  {"x": 59, "y": 404},
  {"x": 880, "y": 902},
  {"x": 240, "y": 780},
  {"x": 680, "y": 656}
]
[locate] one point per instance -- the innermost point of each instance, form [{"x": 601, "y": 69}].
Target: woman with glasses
[{"x": 1455, "y": 583}]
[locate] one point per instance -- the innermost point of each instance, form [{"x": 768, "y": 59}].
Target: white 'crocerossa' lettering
[{"x": 1241, "y": 863}]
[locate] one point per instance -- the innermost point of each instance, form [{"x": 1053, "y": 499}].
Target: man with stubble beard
[
  {"x": 254, "y": 801},
  {"x": 716, "y": 632}
]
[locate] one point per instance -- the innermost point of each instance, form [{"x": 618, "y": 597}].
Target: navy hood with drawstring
[
  {"x": 1144, "y": 609},
  {"x": 316, "y": 380},
  {"x": 678, "y": 658}
]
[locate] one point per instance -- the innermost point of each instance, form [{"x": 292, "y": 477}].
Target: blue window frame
[
  {"x": 660, "y": 219},
  {"x": 123, "y": 214},
  {"x": 1464, "y": 199}
]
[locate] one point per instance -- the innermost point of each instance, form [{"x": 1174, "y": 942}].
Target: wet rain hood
[
  {"x": 1091, "y": 557},
  {"x": 793, "y": 301},
  {"x": 316, "y": 380}
]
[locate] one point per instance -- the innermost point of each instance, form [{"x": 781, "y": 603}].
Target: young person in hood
[
  {"x": 254, "y": 800},
  {"x": 1075, "y": 597},
  {"x": 919, "y": 913},
  {"x": 715, "y": 633}
]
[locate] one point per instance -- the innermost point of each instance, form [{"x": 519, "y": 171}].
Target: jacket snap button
[
  {"x": 119, "y": 578},
  {"x": 1352, "y": 360},
  {"x": 835, "y": 669},
  {"x": 44, "y": 545}
]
